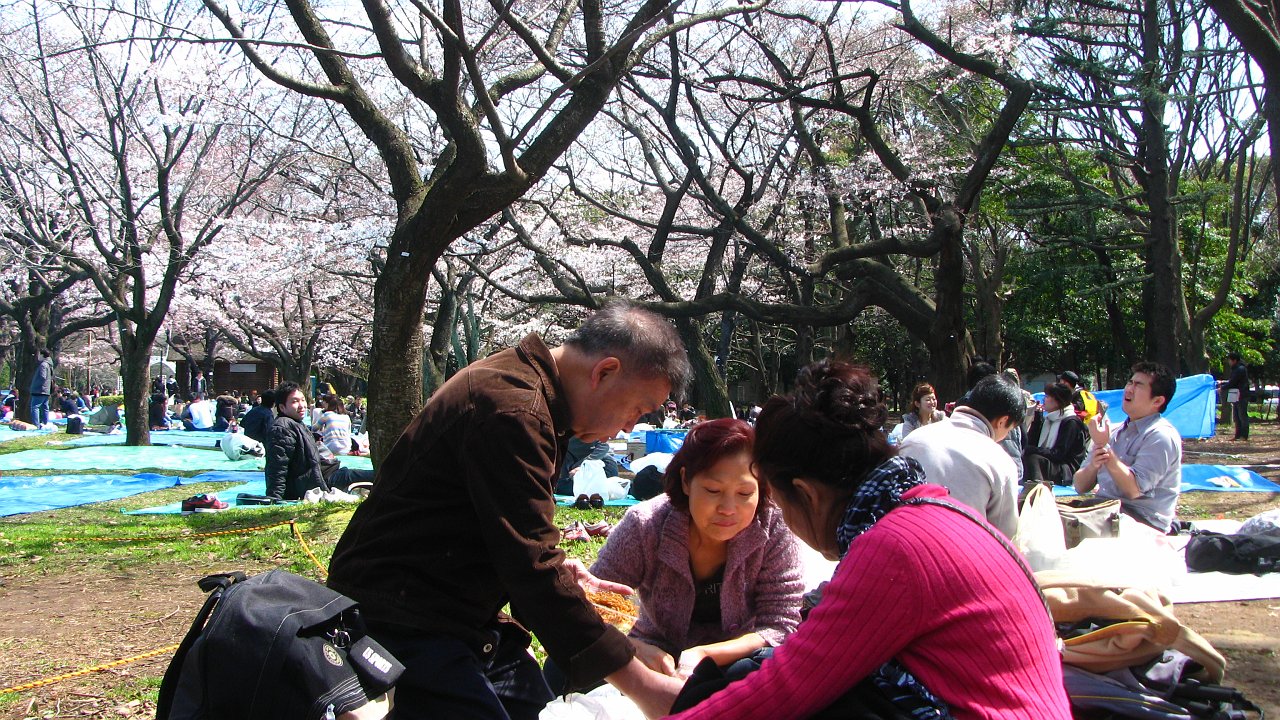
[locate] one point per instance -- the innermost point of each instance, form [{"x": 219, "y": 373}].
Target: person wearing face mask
[
  {"x": 924, "y": 409},
  {"x": 716, "y": 569},
  {"x": 1056, "y": 440}
]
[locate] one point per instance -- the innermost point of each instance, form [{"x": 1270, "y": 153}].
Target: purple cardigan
[{"x": 649, "y": 550}]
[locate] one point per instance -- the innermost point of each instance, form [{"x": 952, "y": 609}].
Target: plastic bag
[
  {"x": 602, "y": 703},
  {"x": 1039, "y": 535},
  {"x": 590, "y": 480}
]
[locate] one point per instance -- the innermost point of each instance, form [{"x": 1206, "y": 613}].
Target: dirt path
[{"x": 56, "y": 624}]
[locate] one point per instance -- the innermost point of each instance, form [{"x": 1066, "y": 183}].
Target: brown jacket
[{"x": 461, "y": 519}]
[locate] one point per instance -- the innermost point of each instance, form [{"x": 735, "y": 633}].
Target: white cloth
[
  {"x": 202, "y": 414},
  {"x": 1049, "y": 428},
  {"x": 238, "y": 446},
  {"x": 960, "y": 455}
]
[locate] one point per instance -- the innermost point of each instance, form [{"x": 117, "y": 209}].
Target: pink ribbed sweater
[{"x": 932, "y": 588}]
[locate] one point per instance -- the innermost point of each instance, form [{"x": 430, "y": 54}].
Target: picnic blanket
[
  {"x": 1210, "y": 478},
  {"x": 26, "y": 494},
  {"x": 188, "y": 438},
  {"x": 122, "y": 457},
  {"x": 253, "y": 483},
  {"x": 7, "y": 433}
]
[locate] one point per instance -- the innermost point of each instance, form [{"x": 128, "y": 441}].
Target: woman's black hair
[{"x": 829, "y": 429}]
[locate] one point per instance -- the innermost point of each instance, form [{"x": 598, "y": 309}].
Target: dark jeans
[
  {"x": 444, "y": 678},
  {"x": 1039, "y": 468},
  {"x": 39, "y": 409},
  {"x": 343, "y": 477},
  {"x": 1240, "y": 416}
]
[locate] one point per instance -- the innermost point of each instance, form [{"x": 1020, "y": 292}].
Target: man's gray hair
[{"x": 645, "y": 341}]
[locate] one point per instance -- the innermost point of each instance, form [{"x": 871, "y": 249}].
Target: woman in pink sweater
[
  {"x": 717, "y": 571},
  {"x": 925, "y": 599}
]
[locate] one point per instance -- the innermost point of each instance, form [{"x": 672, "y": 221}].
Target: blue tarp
[
  {"x": 19, "y": 494},
  {"x": 1193, "y": 409},
  {"x": 667, "y": 441},
  {"x": 1213, "y": 478},
  {"x": 189, "y": 438},
  {"x": 1224, "y": 478},
  {"x": 623, "y": 502},
  {"x": 7, "y": 433},
  {"x": 255, "y": 486}
]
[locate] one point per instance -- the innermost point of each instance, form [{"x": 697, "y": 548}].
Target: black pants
[
  {"x": 1240, "y": 416},
  {"x": 1038, "y": 468},
  {"x": 444, "y": 678}
]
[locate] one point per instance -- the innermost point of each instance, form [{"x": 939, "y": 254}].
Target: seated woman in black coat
[{"x": 1055, "y": 444}]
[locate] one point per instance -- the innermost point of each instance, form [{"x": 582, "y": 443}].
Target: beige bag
[
  {"x": 1146, "y": 626},
  {"x": 1088, "y": 518}
]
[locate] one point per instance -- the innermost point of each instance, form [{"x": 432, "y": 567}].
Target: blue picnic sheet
[
  {"x": 22, "y": 494},
  {"x": 188, "y": 438},
  {"x": 122, "y": 457},
  {"x": 624, "y": 502},
  {"x": 7, "y": 433},
  {"x": 1211, "y": 478},
  {"x": 253, "y": 484}
]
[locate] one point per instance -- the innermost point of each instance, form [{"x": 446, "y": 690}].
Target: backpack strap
[
  {"x": 1000, "y": 538},
  {"x": 214, "y": 585}
]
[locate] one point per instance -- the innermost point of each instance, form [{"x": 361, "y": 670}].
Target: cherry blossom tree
[
  {"x": 505, "y": 91},
  {"x": 140, "y": 138},
  {"x": 790, "y": 169}
]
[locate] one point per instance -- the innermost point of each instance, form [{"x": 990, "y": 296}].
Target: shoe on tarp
[{"x": 203, "y": 503}]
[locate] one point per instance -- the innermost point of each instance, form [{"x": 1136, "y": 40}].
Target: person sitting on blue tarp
[
  {"x": 1140, "y": 462},
  {"x": 580, "y": 452}
]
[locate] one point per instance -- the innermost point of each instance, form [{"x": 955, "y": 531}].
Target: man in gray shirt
[
  {"x": 1140, "y": 462},
  {"x": 963, "y": 454}
]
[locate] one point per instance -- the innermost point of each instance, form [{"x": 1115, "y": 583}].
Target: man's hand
[
  {"x": 1099, "y": 430},
  {"x": 590, "y": 582},
  {"x": 1101, "y": 456},
  {"x": 654, "y": 658}
]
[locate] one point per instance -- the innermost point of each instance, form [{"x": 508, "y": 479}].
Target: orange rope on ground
[
  {"x": 297, "y": 533},
  {"x": 175, "y": 536},
  {"x": 96, "y": 668},
  {"x": 307, "y": 549}
]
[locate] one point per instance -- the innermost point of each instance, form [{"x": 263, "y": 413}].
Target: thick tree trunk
[
  {"x": 135, "y": 359},
  {"x": 395, "y": 367},
  {"x": 442, "y": 329},
  {"x": 26, "y": 367},
  {"x": 1163, "y": 301},
  {"x": 948, "y": 341},
  {"x": 709, "y": 391}
]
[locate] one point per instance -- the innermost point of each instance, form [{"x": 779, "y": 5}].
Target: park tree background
[{"x": 384, "y": 192}]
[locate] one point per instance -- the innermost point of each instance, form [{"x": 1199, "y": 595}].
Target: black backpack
[
  {"x": 275, "y": 646},
  {"x": 1233, "y": 554}
]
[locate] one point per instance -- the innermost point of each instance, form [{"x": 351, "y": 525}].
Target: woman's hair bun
[{"x": 840, "y": 393}]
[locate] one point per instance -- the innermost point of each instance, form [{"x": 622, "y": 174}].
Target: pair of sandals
[
  {"x": 585, "y": 502},
  {"x": 581, "y": 532}
]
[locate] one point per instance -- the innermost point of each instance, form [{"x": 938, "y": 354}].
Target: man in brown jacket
[{"x": 461, "y": 522}]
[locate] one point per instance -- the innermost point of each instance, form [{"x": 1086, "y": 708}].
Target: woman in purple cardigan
[{"x": 716, "y": 570}]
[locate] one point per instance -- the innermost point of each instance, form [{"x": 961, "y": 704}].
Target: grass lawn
[{"x": 87, "y": 585}]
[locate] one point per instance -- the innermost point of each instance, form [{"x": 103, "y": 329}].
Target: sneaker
[
  {"x": 576, "y": 532},
  {"x": 203, "y": 503}
]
